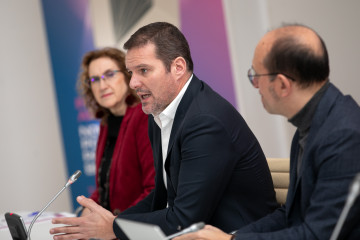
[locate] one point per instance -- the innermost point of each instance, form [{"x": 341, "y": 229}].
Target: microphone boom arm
[
  {"x": 71, "y": 180},
  {"x": 38, "y": 215},
  {"x": 193, "y": 228}
]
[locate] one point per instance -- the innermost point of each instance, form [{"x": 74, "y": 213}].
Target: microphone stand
[
  {"x": 193, "y": 228},
  {"x": 38, "y": 215},
  {"x": 71, "y": 180},
  {"x": 354, "y": 192}
]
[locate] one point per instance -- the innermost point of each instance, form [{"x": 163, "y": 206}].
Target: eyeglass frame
[
  {"x": 253, "y": 76},
  {"x": 105, "y": 76}
]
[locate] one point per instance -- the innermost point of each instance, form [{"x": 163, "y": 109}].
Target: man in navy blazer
[
  {"x": 209, "y": 165},
  {"x": 215, "y": 169},
  {"x": 291, "y": 70}
]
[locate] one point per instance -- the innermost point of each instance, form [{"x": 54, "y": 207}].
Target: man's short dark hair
[
  {"x": 169, "y": 43},
  {"x": 293, "y": 58}
]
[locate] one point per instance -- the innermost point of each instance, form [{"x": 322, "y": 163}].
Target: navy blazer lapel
[
  {"x": 293, "y": 174},
  {"x": 182, "y": 109},
  {"x": 160, "y": 190},
  {"x": 321, "y": 113},
  {"x": 155, "y": 138}
]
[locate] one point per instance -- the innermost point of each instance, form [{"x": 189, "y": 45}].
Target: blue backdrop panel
[{"x": 69, "y": 37}]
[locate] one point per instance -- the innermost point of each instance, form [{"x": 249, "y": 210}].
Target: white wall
[
  {"x": 32, "y": 162},
  {"x": 247, "y": 20},
  {"x": 337, "y": 22}
]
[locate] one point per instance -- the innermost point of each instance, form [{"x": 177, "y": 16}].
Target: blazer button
[{"x": 116, "y": 211}]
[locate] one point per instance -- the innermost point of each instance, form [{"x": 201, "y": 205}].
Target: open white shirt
[{"x": 165, "y": 121}]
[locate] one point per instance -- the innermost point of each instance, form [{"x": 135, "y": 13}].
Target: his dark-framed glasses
[
  {"x": 252, "y": 75},
  {"x": 108, "y": 75}
]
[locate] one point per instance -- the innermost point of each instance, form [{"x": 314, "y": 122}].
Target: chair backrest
[{"x": 279, "y": 168}]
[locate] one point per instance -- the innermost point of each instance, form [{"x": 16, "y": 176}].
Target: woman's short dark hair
[
  {"x": 295, "y": 59},
  {"x": 169, "y": 43},
  {"x": 83, "y": 84}
]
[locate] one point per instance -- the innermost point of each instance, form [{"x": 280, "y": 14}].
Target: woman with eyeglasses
[{"x": 124, "y": 161}]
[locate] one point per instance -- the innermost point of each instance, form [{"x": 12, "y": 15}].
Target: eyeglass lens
[{"x": 107, "y": 76}]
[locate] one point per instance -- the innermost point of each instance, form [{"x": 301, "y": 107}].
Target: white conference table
[{"x": 40, "y": 229}]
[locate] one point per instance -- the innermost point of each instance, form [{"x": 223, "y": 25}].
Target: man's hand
[
  {"x": 85, "y": 212},
  {"x": 97, "y": 223},
  {"x": 207, "y": 233}
]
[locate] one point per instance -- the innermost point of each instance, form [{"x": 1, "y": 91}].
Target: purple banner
[{"x": 203, "y": 24}]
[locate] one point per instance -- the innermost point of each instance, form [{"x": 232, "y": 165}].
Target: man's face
[
  {"x": 269, "y": 98},
  {"x": 150, "y": 79}
]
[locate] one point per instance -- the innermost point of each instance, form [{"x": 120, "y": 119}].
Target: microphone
[
  {"x": 353, "y": 193},
  {"x": 193, "y": 228},
  {"x": 71, "y": 180}
]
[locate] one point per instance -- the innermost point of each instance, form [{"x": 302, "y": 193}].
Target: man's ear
[
  {"x": 178, "y": 67},
  {"x": 284, "y": 85}
]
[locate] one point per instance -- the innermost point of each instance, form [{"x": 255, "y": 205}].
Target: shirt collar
[{"x": 169, "y": 112}]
